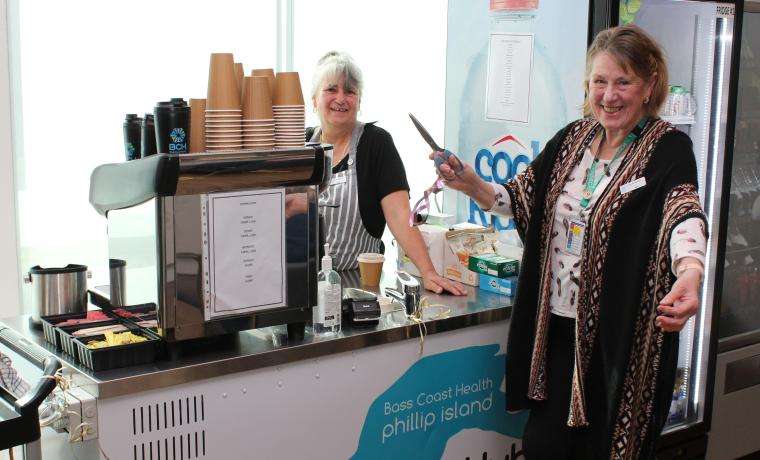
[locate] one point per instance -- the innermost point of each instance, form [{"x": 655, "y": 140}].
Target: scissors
[{"x": 442, "y": 155}]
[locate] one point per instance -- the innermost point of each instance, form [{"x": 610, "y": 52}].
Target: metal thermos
[
  {"x": 58, "y": 290},
  {"x": 118, "y": 281}
]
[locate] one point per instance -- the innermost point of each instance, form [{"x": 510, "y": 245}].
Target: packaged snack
[
  {"x": 460, "y": 245},
  {"x": 493, "y": 265},
  {"x": 503, "y": 286}
]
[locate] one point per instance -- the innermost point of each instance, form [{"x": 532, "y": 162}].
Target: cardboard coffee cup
[
  {"x": 223, "y": 88},
  {"x": 239, "y": 73},
  {"x": 197, "y": 125},
  {"x": 269, "y": 74},
  {"x": 257, "y": 103},
  {"x": 370, "y": 268},
  {"x": 287, "y": 89}
]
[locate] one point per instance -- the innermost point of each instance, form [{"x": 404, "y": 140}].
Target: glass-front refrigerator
[
  {"x": 735, "y": 427},
  {"x": 697, "y": 38}
]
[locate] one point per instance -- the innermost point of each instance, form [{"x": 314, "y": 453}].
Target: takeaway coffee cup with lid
[
  {"x": 132, "y": 136},
  {"x": 148, "y": 136},
  {"x": 370, "y": 268},
  {"x": 172, "y": 119}
]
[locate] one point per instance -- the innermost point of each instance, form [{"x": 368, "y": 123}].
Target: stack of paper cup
[
  {"x": 288, "y": 110},
  {"x": 258, "y": 120},
  {"x": 223, "y": 113},
  {"x": 197, "y": 125}
]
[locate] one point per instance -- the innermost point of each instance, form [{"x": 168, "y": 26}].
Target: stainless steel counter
[{"x": 261, "y": 348}]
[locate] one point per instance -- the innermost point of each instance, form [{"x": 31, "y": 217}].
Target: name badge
[
  {"x": 575, "y": 232},
  {"x": 338, "y": 179},
  {"x": 632, "y": 185}
]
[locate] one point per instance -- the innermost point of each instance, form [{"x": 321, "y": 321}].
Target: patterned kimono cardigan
[{"x": 625, "y": 271}]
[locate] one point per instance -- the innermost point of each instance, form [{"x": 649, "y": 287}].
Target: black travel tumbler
[
  {"x": 132, "y": 136},
  {"x": 148, "y": 136},
  {"x": 172, "y": 120}
]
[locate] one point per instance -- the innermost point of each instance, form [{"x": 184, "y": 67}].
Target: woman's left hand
[
  {"x": 432, "y": 281},
  {"x": 681, "y": 303}
]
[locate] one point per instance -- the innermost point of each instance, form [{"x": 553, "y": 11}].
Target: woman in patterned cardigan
[{"x": 614, "y": 250}]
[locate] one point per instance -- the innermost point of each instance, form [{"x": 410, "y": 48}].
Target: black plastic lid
[
  {"x": 174, "y": 103},
  {"x": 148, "y": 120},
  {"x": 70, "y": 268},
  {"x": 132, "y": 119}
]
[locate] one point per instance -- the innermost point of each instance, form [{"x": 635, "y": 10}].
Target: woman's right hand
[{"x": 467, "y": 181}]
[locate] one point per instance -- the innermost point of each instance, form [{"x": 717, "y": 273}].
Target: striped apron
[{"x": 339, "y": 206}]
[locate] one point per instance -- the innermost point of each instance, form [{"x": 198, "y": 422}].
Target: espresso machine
[{"x": 219, "y": 243}]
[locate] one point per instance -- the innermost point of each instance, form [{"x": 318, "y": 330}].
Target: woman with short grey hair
[
  {"x": 334, "y": 65},
  {"x": 368, "y": 188}
]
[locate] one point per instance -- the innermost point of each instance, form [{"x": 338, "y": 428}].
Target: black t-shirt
[{"x": 379, "y": 172}]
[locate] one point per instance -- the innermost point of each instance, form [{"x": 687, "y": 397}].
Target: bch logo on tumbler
[
  {"x": 178, "y": 143},
  {"x": 177, "y": 135}
]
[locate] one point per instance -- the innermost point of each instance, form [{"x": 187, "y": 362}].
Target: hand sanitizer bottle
[{"x": 326, "y": 316}]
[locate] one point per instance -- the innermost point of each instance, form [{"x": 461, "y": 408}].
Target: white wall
[
  {"x": 400, "y": 46},
  {"x": 9, "y": 272}
]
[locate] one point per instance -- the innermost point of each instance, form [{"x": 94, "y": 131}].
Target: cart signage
[{"x": 437, "y": 403}]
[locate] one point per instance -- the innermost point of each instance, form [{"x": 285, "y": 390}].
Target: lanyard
[{"x": 592, "y": 181}]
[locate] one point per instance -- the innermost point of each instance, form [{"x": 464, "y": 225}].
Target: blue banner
[
  {"x": 437, "y": 398},
  {"x": 479, "y": 73}
]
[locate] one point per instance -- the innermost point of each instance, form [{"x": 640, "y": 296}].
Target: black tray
[
  {"x": 50, "y": 330},
  {"x": 149, "y": 308},
  {"x": 66, "y": 335},
  {"x": 101, "y": 359},
  {"x": 146, "y": 310}
]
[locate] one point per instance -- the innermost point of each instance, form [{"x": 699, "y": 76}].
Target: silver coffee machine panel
[{"x": 157, "y": 211}]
